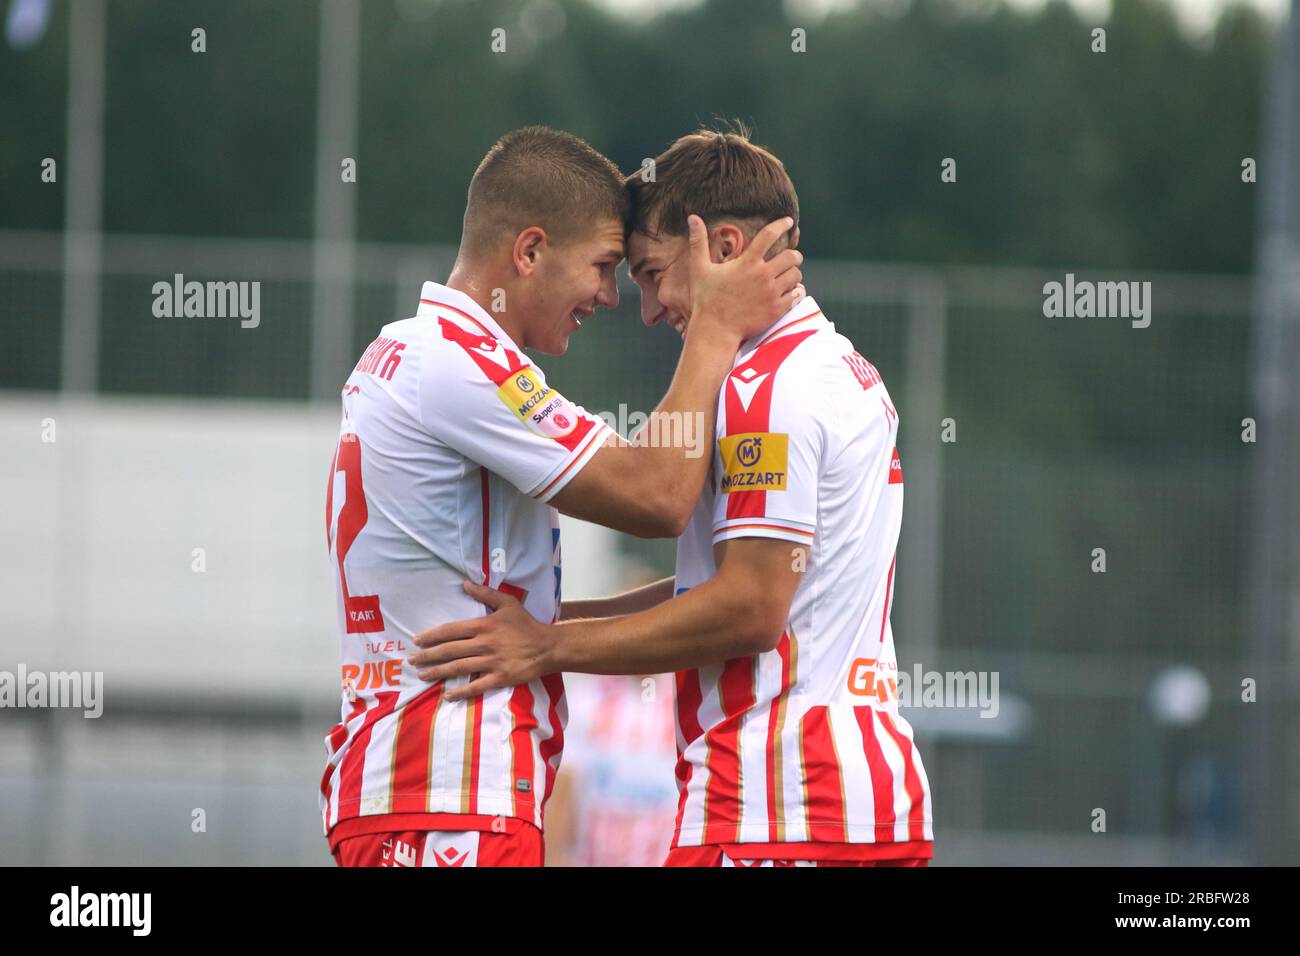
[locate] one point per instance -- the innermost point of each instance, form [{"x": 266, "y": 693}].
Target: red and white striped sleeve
[{"x": 494, "y": 407}]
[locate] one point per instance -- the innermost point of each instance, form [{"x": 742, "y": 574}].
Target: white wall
[{"x": 98, "y": 529}]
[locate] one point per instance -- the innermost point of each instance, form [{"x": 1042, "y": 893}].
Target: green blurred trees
[{"x": 1064, "y": 156}]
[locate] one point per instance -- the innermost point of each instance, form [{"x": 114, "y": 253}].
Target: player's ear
[
  {"x": 527, "y": 250},
  {"x": 728, "y": 242},
  {"x": 794, "y": 238}
]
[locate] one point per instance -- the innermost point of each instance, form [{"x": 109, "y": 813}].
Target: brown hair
[
  {"x": 716, "y": 175},
  {"x": 538, "y": 176}
]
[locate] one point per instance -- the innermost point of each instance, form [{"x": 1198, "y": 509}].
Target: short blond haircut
[{"x": 538, "y": 176}]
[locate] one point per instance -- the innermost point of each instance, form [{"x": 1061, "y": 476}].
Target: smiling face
[
  {"x": 543, "y": 232},
  {"x": 735, "y": 186},
  {"x": 570, "y": 280},
  {"x": 659, "y": 268}
]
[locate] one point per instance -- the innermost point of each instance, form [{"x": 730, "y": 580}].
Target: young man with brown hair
[
  {"x": 792, "y": 749},
  {"x": 453, "y": 457}
]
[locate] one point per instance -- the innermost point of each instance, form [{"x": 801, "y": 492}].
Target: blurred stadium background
[{"x": 1119, "y": 690}]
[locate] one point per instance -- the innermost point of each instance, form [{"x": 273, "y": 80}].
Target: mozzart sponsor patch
[
  {"x": 753, "y": 461},
  {"x": 538, "y": 406}
]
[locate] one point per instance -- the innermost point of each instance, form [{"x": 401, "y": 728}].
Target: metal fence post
[
  {"x": 921, "y": 570},
  {"x": 1269, "y": 780},
  {"x": 334, "y": 253},
  {"x": 83, "y": 175}
]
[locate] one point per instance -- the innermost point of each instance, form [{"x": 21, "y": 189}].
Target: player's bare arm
[
  {"x": 741, "y": 611},
  {"x": 629, "y": 602},
  {"x": 650, "y": 491}
]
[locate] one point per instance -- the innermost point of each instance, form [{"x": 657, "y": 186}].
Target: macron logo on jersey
[
  {"x": 495, "y": 360},
  {"x": 746, "y": 384},
  {"x": 494, "y": 352}
]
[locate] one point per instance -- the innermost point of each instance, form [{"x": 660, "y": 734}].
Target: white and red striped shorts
[
  {"x": 524, "y": 847},
  {"x": 914, "y": 854}
]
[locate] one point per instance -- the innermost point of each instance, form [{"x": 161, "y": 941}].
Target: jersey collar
[
  {"x": 804, "y": 314},
  {"x": 434, "y": 295}
]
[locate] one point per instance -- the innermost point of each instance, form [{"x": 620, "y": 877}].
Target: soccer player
[
  {"x": 453, "y": 456},
  {"x": 792, "y": 748}
]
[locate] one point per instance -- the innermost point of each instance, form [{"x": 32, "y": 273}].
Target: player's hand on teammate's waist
[
  {"x": 503, "y": 649},
  {"x": 745, "y": 294}
]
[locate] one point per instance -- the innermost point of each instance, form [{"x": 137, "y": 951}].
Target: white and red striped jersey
[
  {"x": 450, "y": 447},
  {"x": 804, "y": 743}
]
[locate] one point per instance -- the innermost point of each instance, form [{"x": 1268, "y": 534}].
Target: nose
[
  {"x": 608, "y": 295},
  {"x": 651, "y": 310}
]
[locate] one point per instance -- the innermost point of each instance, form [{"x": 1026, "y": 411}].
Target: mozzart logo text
[{"x": 754, "y": 461}]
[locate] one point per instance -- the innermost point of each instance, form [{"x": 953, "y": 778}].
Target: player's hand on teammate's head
[
  {"x": 745, "y": 294},
  {"x": 504, "y": 649}
]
